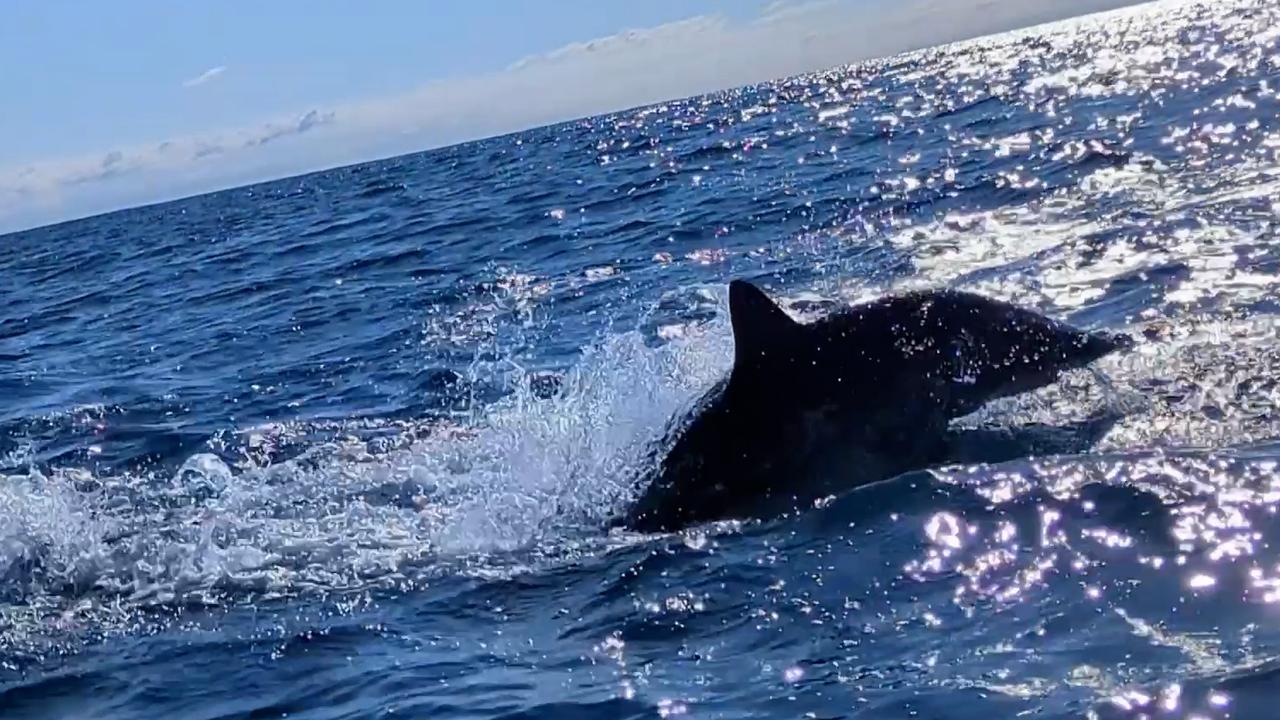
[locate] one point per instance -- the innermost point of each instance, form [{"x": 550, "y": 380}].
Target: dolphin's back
[{"x": 863, "y": 394}]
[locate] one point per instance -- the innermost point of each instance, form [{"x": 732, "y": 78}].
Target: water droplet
[{"x": 1200, "y": 581}]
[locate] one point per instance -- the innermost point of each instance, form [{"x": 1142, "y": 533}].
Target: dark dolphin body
[{"x": 861, "y": 395}]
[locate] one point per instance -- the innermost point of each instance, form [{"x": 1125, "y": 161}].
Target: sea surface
[{"x": 345, "y": 445}]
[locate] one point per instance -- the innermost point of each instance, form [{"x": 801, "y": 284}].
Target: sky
[{"x": 113, "y": 105}]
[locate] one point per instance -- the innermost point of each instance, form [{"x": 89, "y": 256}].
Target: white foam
[
  {"x": 530, "y": 463},
  {"x": 348, "y": 513}
]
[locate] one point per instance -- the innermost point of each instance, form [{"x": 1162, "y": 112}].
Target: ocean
[{"x": 345, "y": 445}]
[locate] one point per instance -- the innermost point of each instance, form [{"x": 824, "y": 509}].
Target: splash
[
  {"x": 350, "y": 514},
  {"x": 531, "y": 465}
]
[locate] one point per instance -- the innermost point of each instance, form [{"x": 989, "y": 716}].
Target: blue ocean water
[{"x": 343, "y": 445}]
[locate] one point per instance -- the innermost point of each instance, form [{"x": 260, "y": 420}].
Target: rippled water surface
[{"x": 342, "y": 446}]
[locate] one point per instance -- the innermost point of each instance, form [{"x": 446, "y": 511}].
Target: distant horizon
[{"x": 197, "y": 178}]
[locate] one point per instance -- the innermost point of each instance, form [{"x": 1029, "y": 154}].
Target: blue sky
[
  {"x": 90, "y": 75},
  {"x": 113, "y": 104}
]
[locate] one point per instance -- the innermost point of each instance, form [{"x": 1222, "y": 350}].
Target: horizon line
[{"x": 7, "y": 234}]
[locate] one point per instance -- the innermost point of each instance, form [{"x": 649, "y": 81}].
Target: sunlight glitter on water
[{"x": 1121, "y": 174}]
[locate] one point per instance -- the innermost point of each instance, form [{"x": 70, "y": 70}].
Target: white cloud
[
  {"x": 634, "y": 67},
  {"x": 204, "y": 77}
]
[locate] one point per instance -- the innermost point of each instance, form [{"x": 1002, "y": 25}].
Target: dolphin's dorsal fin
[{"x": 758, "y": 322}]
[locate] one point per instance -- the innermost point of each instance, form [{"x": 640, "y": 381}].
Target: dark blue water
[{"x": 342, "y": 446}]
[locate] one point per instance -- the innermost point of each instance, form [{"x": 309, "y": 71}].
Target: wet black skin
[{"x": 862, "y": 395}]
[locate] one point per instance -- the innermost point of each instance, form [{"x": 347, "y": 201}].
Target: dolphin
[{"x": 861, "y": 395}]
